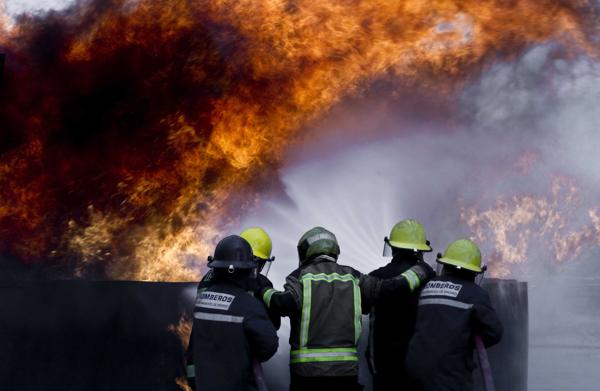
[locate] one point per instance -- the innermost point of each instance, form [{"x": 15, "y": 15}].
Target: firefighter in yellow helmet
[
  {"x": 453, "y": 309},
  {"x": 392, "y": 319}
]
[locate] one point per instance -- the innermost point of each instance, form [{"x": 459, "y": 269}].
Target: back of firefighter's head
[
  {"x": 317, "y": 242},
  {"x": 461, "y": 258},
  {"x": 233, "y": 258},
  {"x": 407, "y": 240}
]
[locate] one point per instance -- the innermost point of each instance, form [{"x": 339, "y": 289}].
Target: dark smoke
[{"x": 79, "y": 130}]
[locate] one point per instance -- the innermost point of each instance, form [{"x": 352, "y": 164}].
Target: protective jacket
[
  {"x": 451, "y": 311},
  {"x": 261, "y": 282},
  {"x": 392, "y": 324},
  {"x": 231, "y": 330},
  {"x": 324, "y": 301}
]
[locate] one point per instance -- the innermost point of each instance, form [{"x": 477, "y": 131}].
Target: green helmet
[
  {"x": 463, "y": 254},
  {"x": 408, "y": 234},
  {"x": 317, "y": 241}
]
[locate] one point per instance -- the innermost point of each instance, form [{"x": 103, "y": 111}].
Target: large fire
[
  {"x": 514, "y": 224},
  {"x": 134, "y": 132}
]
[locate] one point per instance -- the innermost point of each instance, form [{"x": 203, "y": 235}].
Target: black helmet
[{"x": 233, "y": 252}]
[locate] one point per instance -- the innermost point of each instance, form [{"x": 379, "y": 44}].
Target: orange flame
[
  {"x": 513, "y": 226},
  {"x": 183, "y": 330},
  {"x": 192, "y": 105}
]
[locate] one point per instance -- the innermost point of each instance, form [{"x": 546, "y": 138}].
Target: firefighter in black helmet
[
  {"x": 231, "y": 327},
  {"x": 261, "y": 245},
  {"x": 453, "y": 309},
  {"x": 324, "y": 301}
]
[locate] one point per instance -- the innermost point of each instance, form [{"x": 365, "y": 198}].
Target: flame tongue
[
  {"x": 135, "y": 132},
  {"x": 513, "y": 226}
]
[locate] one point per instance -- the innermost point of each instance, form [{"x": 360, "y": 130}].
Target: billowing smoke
[
  {"x": 135, "y": 132},
  {"x": 516, "y": 172}
]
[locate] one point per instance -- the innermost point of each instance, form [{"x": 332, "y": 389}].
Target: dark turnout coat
[
  {"x": 261, "y": 281},
  {"x": 325, "y": 302},
  {"x": 452, "y": 310},
  {"x": 231, "y": 330},
  {"x": 392, "y": 324}
]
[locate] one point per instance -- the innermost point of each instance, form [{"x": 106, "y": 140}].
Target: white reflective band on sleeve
[
  {"x": 219, "y": 317},
  {"x": 448, "y": 302}
]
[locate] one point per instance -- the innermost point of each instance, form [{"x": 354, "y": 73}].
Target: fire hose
[
  {"x": 484, "y": 364},
  {"x": 259, "y": 376}
]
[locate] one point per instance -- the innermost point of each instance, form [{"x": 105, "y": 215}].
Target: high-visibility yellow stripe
[
  {"x": 323, "y": 359},
  {"x": 323, "y": 355},
  {"x": 323, "y": 350},
  {"x": 304, "y": 323},
  {"x": 267, "y": 296},
  {"x": 412, "y": 278}
]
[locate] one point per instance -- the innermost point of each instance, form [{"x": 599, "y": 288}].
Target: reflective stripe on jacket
[
  {"x": 451, "y": 311},
  {"x": 231, "y": 330},
  {"x": 325, "y": 301}
]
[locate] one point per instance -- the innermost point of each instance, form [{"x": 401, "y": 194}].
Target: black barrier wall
[
  {"x": 83, "y": 335},
  {"x": 509, "y": 358},
  {"x": 80, "y": 335}
]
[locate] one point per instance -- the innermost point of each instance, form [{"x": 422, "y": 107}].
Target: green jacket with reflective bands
[{"x": 325, "y": 302}]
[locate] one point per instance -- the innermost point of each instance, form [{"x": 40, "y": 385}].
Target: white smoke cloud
[
  {"x": 523, "y": 123},
  {"x": 16, "y": 7},
  {"x": 552, "y": 105}
]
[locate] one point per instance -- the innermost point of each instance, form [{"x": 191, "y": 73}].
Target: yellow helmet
[
  {"x": 259, "y": 241},
  {"x": 464, "y": 254},
  {"x": 408, "y": 234}
]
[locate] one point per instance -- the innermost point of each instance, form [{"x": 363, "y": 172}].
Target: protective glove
[{"x": 418, "y": 275}]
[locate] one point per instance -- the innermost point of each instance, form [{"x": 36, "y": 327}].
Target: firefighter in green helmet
[
  {"x": 324, "y": 301},
  {"x": 392, "y": 319},
  {"x": 453, "y": 309}
]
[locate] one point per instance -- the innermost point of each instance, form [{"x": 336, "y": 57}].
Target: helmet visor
[
  {"x": 387, "y": 249},
  {"x": 266, "y": 273},
  {"x": 480, "y": 276}
]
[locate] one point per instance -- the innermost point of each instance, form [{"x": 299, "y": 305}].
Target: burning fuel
[
  {"x": 545, "y": 220},
  {"x": 134, "y": 133}
]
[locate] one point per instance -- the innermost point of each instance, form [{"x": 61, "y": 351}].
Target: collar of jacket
[
  {"x": 406, "y": 260},
  {"x": 319, "y": 259},
  {"x": 244, "y": 283}
]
